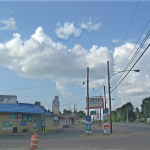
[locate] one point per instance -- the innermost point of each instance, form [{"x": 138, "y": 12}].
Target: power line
[
  {"x": 82, "y": 98},
  {"x": 29, "y": 88},
  {"x": 50, "y": 95},
  {"x": 137, "y": 51},
  {"x": 131, "y": 68},
  {"x": 131, "y": 52},
  {"x": 128, "y": 28}
]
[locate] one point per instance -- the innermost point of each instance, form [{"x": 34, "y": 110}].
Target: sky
[{"x": 46, "y": 47}]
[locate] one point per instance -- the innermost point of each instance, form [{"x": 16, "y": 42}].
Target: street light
[
  {"x": 124, "y": 71},
  {"x": 109, "y": 92}
]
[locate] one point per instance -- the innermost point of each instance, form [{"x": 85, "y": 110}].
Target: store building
[{"x": 23, "y": 117}]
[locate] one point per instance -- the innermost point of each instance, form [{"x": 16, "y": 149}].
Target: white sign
[
  {"x": 95, "y": 103},
  {"x": 55, "y": 117},
  {"x": 106, "y": 128},
  {"x": 8, "y": 99}
]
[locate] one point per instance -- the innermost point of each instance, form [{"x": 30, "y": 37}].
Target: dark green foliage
[
  {"x": 81, "y": 114},
  {"x": 145, "y": 108},
  {"x": 124, "y": 113}
]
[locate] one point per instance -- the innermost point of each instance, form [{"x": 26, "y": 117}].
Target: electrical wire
[
  {"x": 117, "y": 78},
  {"x": 128, "y": 27},
  {"x": 131, "y": 68},
  {"x": 137, "y": 51},
  {"x": 82, "y": 98},
  {"x": 29, "y": 88}
]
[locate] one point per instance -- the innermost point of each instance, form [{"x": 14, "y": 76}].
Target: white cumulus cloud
[
  {"x": 9, "y": 24},
  {"x": 136, "y": 85},
  {"x": 90, "y": 25},
  {"x": 67, "y": 30},
  {"x": 41, "y": 57}
]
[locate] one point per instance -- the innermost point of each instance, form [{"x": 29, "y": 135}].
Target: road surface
[{"x": 124, "y": 137}]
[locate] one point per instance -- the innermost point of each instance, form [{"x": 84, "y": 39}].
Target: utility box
[{"x": 148, "y": 120}]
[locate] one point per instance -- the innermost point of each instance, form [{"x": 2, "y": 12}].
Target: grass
[{"x": 92, "y": 135}]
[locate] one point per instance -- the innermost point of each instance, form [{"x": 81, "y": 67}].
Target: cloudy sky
[{"x": 46, "y": 47}]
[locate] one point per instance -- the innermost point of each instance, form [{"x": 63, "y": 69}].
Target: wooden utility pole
[
  {"x": 105, "y": 97},
  {"x": 74, "y": 108},
  {"x": 87, "y": 90},
  {"x": 109, "y": 92}
]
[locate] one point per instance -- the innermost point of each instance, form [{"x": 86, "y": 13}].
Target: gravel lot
[
  {"x": 58, "y": 148},
  {"x": 72, "y": 139}
]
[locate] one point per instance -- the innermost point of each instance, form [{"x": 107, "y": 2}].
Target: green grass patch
[{"x": 91, "y": 135}]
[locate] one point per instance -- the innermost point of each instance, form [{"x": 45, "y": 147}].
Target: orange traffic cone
[{"x": 34, "y": 141}]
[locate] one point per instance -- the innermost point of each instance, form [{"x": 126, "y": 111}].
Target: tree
[
  {"x": 145, "y": 108},
  {"x": 67, "y": 112},
  {"x": 81, "y": 114},
  {"x": 137, "y": 113},
  {"x": 124, "y": 113},
  {"x": 118, "y": 114},
  {"x": 114, "y": 116},
  {"x": 128, "y": 112},
  {"x": 37, "y": 103}
]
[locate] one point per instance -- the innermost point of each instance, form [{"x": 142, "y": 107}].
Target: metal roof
[{"x": 23, "y": 108}]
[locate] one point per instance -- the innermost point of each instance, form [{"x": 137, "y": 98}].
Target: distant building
[
  {"x": 11, "y": 99},
  {"x": 23, "y": 117},
  {"x": 55, "y": 105}
]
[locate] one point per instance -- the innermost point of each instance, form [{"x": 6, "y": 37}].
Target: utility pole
[
  {"x": 127, "y": 115},
  {"x": 105, "y": 96},
  {"x": 87, "y": 90},
  {"x": 74, "y": 108},
  {"x": 109, "y": 92},
  {"x": 100, "y": 117}
]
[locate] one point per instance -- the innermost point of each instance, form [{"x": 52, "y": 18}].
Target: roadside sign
[
  {"x": 88, "y": 119},
  {"x": 106, "y": 125},
  {"x": 93, "y": 112},
  {"x": 88, "y": 125},
  {"x": 95, "y": 103},
  {"x": 143, "y": 118}
]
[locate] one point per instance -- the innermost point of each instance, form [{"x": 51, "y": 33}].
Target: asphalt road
[
  {"x": 134, "y": 127},
  {"x": 124, "y": 137}
]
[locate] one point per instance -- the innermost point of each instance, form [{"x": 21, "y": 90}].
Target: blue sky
[{"x": 46, "y": 46}]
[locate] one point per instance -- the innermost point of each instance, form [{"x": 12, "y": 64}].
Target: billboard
[
  {"x": 55, "y": 105},
  {"x": 95, "y": 103},
  {"x": 12, "y": 99}
]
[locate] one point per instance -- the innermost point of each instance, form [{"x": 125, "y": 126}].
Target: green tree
[
  {"x": 81, "y": 114},
  {"x": 114, "y": 116},
  {"x": 145, "y": 108},
  {"x": 137, "y": 113},
  {"x": 118, "y": 114},
  {"x": 67, "y": 112},
  {"x": 128, "y": 112},
  {"x": 37, "y": 103},
  {"x": 123, "y": 113}
]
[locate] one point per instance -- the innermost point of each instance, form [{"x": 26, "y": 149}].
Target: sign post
[
  {"x": 92, "y": 103},
  {"x": 88, "y": 125},
  {"x": 106, "y": 125}
]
